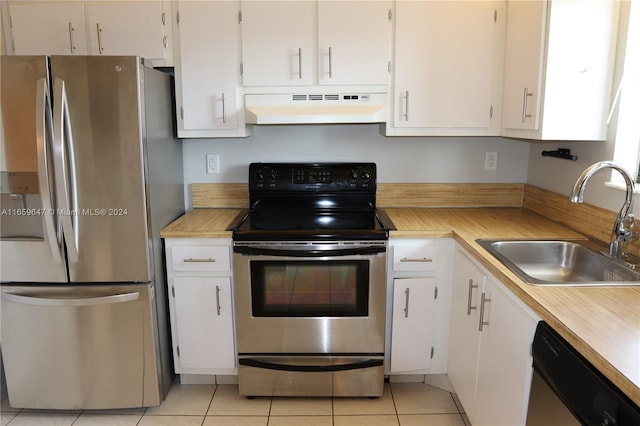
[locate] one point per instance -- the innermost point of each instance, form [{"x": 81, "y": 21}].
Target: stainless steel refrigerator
[{"x": 90, "y": 172}]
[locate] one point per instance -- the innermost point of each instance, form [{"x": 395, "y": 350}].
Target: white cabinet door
[
  {"x": 354, "y": 42},
  {"x": 468, "y": 283},
  {"x": 208, "y": 67},
  {"x": 504, "y": 376},
  {"x": 48, "y": 28},
  {"x": 204, "y": 321},
  {"x": 279, "y": 43},
  {"x": 524, "y": 50},
  {"x": 490, "y": 364},
  {"x": 558, "y": 69},
  {"x": 445, "y": 65},
  {"x": 127, "y": 28},
  {"x": 413, "y": 317}
]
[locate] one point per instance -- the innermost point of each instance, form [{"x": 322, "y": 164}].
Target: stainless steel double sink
[{"x": 560, "y": 263}]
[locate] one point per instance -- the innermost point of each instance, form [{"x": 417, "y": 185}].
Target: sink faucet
[{"x": 625, "y": 229}]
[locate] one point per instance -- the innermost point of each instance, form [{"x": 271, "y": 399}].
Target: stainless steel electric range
[{"x": 310, "y": 281}]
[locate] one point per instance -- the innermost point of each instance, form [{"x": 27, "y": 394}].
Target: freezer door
[
  {"x": 79, "y": 347},
  {"x": 99, "y": 141},
  {"x": 30, "y": 238}
]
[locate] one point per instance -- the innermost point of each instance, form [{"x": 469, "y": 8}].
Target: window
[{"x": 627, "y": 139}]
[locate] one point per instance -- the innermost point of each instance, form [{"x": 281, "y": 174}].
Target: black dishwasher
[{"x": 583, "y": 390}]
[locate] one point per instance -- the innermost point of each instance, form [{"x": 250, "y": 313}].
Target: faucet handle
[{"x": 629, "y": 229}]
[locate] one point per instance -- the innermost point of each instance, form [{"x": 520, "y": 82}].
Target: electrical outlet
[
  {"x": 490, "y": 160},
  {"x": 213, "y": 163}
]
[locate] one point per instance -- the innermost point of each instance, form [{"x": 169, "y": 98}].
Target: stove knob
[
  {"x": 353, "y": 174},
  {"x": 274, "y": 175},
  {"x": 260, "y": 175},
  {"x": 366, "y": 175}
]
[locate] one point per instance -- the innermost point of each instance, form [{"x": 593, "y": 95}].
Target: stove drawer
[
  {"x": 311, "y": 376},
  {"x": 414, "y": 255},
  {"x": 201, "y": 258}
]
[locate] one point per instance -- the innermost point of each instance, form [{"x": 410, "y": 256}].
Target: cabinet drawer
[
  {"x": 201, "y": 258},
  {"x": 415, "y": 255}
]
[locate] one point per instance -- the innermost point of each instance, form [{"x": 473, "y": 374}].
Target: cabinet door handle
[
  {"x": 99, "y": 32},
  {"x": 406, "y": 303},
  {"x": 471, "y": 287},
  {"x": 218, "y": 300},
  {"x": 525, "y": 102},
  {"x": 71, "y": 43},
  {"x": 192, "y": 260},
  {"x": 416, "y": 259},
  {"x": 300, "y": 63},
  {"x": 330, "y": 62},
  {"x": 224, "y": 112},
  {"x": 406, "y": 106},
  {"x": 483, "y": 299}
]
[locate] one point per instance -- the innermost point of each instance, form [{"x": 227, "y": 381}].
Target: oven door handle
[
  {"x": 261, "y": 251},
  {"x": 366, "y": 363}
]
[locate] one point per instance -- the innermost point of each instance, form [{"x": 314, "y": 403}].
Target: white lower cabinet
[
  {"x": 201, "y": 305},
  {"x": 505, "y": 363},
  {"x": 490, "y": 364},
  {"x": 419, "y": 300},
  {"x": 412, "y": 334},
  {"x": 464, "y": 338},
  {"x": 203, "y": 322}
]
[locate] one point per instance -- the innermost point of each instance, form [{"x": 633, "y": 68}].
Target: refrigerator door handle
[
  {"x": 65, "y": 168},
  {"x": 90, "y": 301},
  {"x": 43, "y": 135}
]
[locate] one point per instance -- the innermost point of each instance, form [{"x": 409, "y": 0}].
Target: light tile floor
[{"x": 402, "y": 404}]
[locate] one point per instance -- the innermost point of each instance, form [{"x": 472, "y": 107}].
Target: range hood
[{"x": 315, "y": 108}]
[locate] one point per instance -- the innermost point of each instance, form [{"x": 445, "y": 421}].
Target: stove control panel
[{"x": 312, "y": 177}]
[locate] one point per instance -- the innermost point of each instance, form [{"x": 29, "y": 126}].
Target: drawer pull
[
  {"x": 416, "y": 259},
  {"x": 192, "y": 260}
]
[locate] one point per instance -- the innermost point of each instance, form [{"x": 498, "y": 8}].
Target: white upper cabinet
[
  {"x": 48, "y": 28},
  {"x": 447, "y": 68},
  {"x": 558, "y": 69},
  {"x": 279, "y": 43},
  {"x": 128, "y": 28},
  {"x": 305, "y": 43},
  {"x": 93, "y": 28},
  {"x": 208, "y": 82},
  {"x": 354, "y": 42}
]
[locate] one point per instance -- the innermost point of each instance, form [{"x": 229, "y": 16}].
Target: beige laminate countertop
[
  {"x": 602, "y": 323},
  {"x": 202, "y": 223}
]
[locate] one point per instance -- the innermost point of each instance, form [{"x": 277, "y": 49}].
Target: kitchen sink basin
[{"x": 560, "y": 262}]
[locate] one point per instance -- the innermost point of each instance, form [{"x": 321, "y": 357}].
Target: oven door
[{"x": 310, "y": 298}]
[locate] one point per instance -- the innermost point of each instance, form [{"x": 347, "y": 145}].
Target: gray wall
[
  {"x": 399, "y": 159},
  {"x": 560, "y": 175},
  {"x": 405, "y": 159}
]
